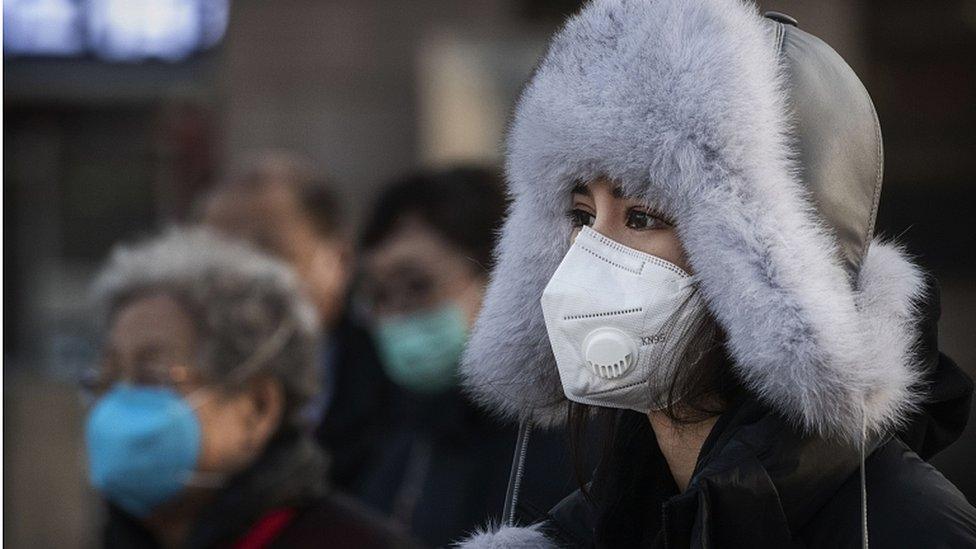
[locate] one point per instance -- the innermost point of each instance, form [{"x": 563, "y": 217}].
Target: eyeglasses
[
  {"x": 407, "y": 292},
  {"x": 97, "y": 380}
]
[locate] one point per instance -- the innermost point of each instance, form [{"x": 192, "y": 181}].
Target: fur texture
[
  {"x": 506, "y": 537},
  {"x": 683, "y": 104}
]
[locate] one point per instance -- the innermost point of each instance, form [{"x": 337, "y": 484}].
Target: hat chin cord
[
  {"x": 864, "y": 484},
  {"x": 518, "y": 471},
  {"x": 522, "y": 446}
]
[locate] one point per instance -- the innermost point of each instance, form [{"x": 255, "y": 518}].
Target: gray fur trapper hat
[{"x": 763, "y": 145}]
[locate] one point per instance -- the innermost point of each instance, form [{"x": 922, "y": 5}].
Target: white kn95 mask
[{"x": 619, "y": 322}]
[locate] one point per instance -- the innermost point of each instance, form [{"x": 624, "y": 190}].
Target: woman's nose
[{"x": 605, "y": 226}]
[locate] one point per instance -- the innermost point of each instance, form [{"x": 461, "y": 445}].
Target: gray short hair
[{"x": 245, "y": 304}]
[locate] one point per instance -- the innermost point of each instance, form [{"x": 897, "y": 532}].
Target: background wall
[{"x": 97, "y": 152}]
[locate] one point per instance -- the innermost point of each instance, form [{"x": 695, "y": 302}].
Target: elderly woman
[{"x": 196, "y": 438}]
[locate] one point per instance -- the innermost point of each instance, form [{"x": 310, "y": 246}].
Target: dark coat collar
[
  {"x": 290, "y": 473},
  {"x": 758, "y": 482}
]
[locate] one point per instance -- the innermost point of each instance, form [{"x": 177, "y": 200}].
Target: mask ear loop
[
  {"x": 268, "y": 349},
  {"x": 518, "y": 470},
  {"x": 206, "y": 479},
  {"x": 239, "y": 374}
]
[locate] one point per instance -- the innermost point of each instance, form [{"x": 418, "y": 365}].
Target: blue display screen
[{"x": 113, "y": 30}]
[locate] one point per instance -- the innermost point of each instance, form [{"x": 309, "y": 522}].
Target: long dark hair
[{"x": 703, "y": 386}]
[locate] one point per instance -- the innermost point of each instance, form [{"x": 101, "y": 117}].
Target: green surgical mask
[{"x": 421, "y": 351}]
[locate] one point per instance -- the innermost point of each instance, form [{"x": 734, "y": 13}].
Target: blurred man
[{"x": 279, "y": 205}]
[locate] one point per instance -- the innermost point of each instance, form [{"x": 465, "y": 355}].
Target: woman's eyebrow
[{"x": 582, "y": 189}]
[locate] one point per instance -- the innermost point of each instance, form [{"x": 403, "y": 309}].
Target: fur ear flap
[
  {"x": 508, "y": 537},
  {"x": 889, "y": 290}
]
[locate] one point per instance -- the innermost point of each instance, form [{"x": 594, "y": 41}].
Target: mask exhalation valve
[{"x": 609, "y": 352}]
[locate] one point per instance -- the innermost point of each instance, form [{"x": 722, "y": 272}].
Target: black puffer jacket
[
  {"x": 352, "y": 425},
  {"x": 442, "y": 468},
  {"x": 759, "y": 483}
]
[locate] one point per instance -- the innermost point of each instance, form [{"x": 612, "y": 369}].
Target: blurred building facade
[{"x": 97, "y": 151}]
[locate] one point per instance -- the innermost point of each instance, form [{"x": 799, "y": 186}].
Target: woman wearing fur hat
[{"x": 706, "y": 181}]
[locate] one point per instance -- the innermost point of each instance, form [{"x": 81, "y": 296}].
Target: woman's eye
[
  {"x": 640, "y": 220},
  {"x": 580, "y": 218}
]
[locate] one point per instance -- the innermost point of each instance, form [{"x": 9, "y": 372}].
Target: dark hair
[
  {"x": 315, "y": 192},
  {"x": 464, "y": 205},
  {"x": 703, "y": 380},
  {"x": 318, "y": 199}
]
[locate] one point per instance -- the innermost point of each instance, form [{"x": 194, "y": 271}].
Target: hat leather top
[{"x": 838, "y": 138}]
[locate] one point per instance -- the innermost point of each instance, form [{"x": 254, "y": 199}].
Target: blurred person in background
[
  {"x": 426, "y": 254},
  {"x": 279, "y": 205},
  {"x": 197, "y": 437}
]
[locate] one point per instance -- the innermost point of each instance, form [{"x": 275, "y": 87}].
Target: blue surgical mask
[
  {"x": 143, "y": 444},
  {"x": 421, "y": 351}
]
